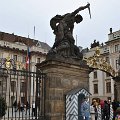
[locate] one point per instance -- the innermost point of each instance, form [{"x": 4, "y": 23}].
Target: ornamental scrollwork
[
  {"x": 9, "y": 63},
  {"x": 97, "y": 62}
]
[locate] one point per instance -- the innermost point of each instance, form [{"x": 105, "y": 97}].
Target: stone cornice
[{"x": 7, "y": 48}]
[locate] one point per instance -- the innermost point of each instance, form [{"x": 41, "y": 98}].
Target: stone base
[{"x": 62, "y": 76}]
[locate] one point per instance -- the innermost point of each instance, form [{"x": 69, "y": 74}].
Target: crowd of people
[
  {"x": 88, "y": 111},
  {"x": 20, "y": 106},
  {"x": 107, "y": 107},
  {"x": 104, "y": 107}
]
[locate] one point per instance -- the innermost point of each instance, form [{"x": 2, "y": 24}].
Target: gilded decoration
[
  {"x": 97, "y": 62},
  {"x": 9, "y": 63},
  {"x": 20, "y": 65}
]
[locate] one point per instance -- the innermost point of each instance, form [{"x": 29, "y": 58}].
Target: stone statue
[{"x": 63, "y": 26}]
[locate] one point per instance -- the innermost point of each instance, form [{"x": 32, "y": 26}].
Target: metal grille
[{"x": 23, "y": 92}]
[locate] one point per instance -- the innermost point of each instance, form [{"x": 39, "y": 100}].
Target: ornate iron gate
[{"x": 23, "y": 92}]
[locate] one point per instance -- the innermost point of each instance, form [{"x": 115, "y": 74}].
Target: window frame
[
  {"x": 108, "y": 87},
  {"x": 95, "y": 75},
  {"x": 95, "y": 86}
]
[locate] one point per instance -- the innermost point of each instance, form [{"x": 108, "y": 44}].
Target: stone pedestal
[{"x": 62, "y": 76}]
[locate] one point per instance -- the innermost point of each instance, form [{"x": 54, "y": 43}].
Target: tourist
[
  {"x": 115, "y": 105},
  {"x": 22, "y": 107},
  {"x": 33, "y": 109},
  {"x": 95, "y": 105},
  {"x": 106, "y": 111},
  {"x": 117, "y": 117},
  {"x": 92, "y": 111},
  {"x": 15, "y": 105}
]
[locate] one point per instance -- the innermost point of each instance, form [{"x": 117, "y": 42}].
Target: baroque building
[
  {"x": 14, "y": 47},
  {"x": 101, "y": 84}
]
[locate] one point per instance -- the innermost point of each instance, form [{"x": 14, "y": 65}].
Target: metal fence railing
[{"x": 21, "y": 89}]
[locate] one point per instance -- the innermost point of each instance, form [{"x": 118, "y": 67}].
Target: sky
[{"x": 20, "y": 17}]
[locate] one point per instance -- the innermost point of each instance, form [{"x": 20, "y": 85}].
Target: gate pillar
[
  {"x": 61, "y": 77},
  {"x": 117, "y": 88}
]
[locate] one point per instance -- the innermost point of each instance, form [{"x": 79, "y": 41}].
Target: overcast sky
[{"x": 20, "y": 17}]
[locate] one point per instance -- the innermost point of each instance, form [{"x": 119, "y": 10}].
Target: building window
[
  {"x": 117, "y": 66},
  {"x": 22, "y": 87},
  {"x": 13, "y": 86},
  {"x": 38, "y": 60},
  {"x": 117, "y": 48},
  {"x": 95, "y": 74},
  {"x": 95, "y": 88},
  {"x": 0, "y": 83},
  {"x": 15, "y": 57},
  {"x": 108, "y": 87},
  {"x": 23, "y": 59},
  {"x": 106, "y": 50}
]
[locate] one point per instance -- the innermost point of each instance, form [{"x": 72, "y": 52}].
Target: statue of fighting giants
[{"x": 62, "y": 26}]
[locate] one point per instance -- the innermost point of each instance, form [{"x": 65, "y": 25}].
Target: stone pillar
[
  {"x": 118, "y": 89},
  {"x": 61, "y": 78}
]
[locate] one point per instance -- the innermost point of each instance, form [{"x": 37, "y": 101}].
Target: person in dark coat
[
  {"x": 106, "y": 110},
  {"x": 115, "y": 105},
  {"x": 15, "y": 105}
]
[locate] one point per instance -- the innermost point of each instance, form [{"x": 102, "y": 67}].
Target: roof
[
  {"x": 27, "y": 41},
  {"x": 45, "y": 46},
  {"x": 76, "y": 90}
]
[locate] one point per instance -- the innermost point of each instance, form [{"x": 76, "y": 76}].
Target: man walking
[{"x": 33, "y": 109}]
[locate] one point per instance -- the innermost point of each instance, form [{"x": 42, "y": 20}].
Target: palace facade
[
  {"x": 15, "y": 48},
  {"x": 101, "y": 84}
]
